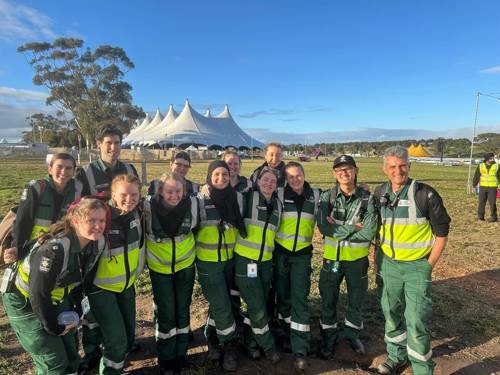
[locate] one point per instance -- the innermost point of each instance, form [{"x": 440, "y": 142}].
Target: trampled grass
[{"x": 466, "y": 280}]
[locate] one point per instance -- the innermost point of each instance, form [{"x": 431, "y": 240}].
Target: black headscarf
[{"x": 225, "y": 200}]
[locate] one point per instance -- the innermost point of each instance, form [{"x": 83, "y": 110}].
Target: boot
[
  {"x": 300, "y": 362},
  {"x": 230, "y": 361}
]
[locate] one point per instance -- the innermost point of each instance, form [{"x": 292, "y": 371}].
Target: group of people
[{"x": 82, "y": 238}]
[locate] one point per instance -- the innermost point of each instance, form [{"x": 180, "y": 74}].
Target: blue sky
[{"x": 293, "y": 71}]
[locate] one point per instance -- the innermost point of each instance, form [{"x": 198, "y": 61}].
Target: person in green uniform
[
  {"x": 220, "y": 221},
  {"x": 43, "y": 202},
  {"x": 348, "y": 221},
  {"x": 180, "y": 164},
  {"x": 273, "y": 154},
  {"x": 61, "y": 260},
  {"x": 413, "y": 234},
  {"x": 96, "y": 177},
  {"x": 292, "y": 260},
  {"x": 112, "y": 298},
  {"x": 171, "y": 217},
  {"x": 233, "y": 160},
  {"x": 253, "y": 262}
]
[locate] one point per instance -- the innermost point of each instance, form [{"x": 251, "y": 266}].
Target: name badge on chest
[{"x": 404, "y": 203}]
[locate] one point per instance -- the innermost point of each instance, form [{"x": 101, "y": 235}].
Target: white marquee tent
[{"x": 190, "y": 127}]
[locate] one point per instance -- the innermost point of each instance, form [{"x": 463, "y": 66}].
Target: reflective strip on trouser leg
[
  {"x": 216, "y": 279},
  {"x": 393, "y": 307},
  {"x": 287, "y": 319},
  {"x": 357, "y": 288},
  {"x": 254, "y": 291},
  {"x": 114, "y": 365},
  {"x": 257, "y": 331},
  {"x": 300, "y": 327}
]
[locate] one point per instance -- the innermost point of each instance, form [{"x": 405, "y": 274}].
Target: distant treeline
[{"x": 487, "y": 142}]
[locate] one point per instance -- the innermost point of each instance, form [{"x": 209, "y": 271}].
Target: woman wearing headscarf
[
  {"x": 220, "y": 221},
  {"x": 171, "y": 217}
]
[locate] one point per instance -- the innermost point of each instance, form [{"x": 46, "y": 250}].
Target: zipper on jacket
[
  {"x": 173, "y": 254},
  {"x": 296, "y": 231},
  {"x": 392, "y": 234}
]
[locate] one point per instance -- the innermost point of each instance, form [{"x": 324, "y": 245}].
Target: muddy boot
[
  {"x": 214, "y": 351},
  {"x": 300, "y": 362},
  {"x": 390, "y": 367},
  {"x": 230, "y": 361},
  {"x": 253, "y": 350}
]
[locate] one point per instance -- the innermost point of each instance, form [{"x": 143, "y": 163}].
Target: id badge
[
  {"x": 335, "y": 266},
  {"x": 252, "y": 270},
  {"x": 85, "y": 305}
]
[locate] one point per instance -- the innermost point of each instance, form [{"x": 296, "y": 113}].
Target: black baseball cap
[{"x": 344, "y": 159}]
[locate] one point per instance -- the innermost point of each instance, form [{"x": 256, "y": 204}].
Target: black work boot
[
  {"x": 213, "y": 349},
  {"x": 230, "y": 361},
  {"x": 167, "y": 367},
  {"x": 389, "y": 367},
  {"x": 89, "y": 361},
  {"x": 273, "y": 355},
  {"x": 358, "y": 346}
]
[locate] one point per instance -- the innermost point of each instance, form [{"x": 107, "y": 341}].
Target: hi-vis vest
[
  {"x": 99, "y": 181},
  {"x": 45, "y": 215},
  {"x": 404, "y": 234},
  {"x": 118, "y": 267},
  {"x": 346, "y": 250},
  {"x": 488, "y": 177},
  {"x": 70, "y": 275},
  {"x": 296, "y": 229},
  {"x": 215, "y": 239},
  {"x": 261, "y": 228},
  {"x": 167, "y": 255},
  {"x": 191, "y": 187}
]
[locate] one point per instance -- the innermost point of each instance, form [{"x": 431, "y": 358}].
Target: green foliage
[{"x": 87, "y": 84}]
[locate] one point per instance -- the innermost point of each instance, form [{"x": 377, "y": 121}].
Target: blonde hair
[
  {"x": 172, "y": 176},
  {"x": 125, "y": 179},
  {"x": 80, "y": 211}
]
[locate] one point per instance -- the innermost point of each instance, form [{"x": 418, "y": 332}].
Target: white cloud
[
  {"x": 366, "y": 134},
  {"x": 21, "y": 22},
  {"x": 22, "y": 95},
  {"x": 492, "y": 70}
]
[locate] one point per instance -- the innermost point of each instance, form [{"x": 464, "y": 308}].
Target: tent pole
[{"x": 469, "y": 190}]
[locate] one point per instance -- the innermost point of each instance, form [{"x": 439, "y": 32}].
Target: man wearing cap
[
  {"x": 347, "y": 219},
  {"x": 414, "y": 228},
  {"x": 487, "y": 177}
]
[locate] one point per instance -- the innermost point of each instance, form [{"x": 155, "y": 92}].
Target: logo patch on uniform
[
  {"x": 114, "y": 231},
  {"x": 45, "y": 264},
  {"x": 134, "y": 223}
]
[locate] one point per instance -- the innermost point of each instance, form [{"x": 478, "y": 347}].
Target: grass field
[{"x": 466, "y": 288}]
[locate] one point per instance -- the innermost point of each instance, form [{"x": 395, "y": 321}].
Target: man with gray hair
[{"x": 413, "y": 233}]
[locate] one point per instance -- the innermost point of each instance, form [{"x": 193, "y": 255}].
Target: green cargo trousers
[
  {"x": 53, "y": 355},
  {"x": 255, "y": 293},
  {"x": 115, "y": 313},
  {"x": 91, "y": 335},
  {"x": 292, "y": 278},
  {"x": 355, "y": 274},
  {"x": 216, "y": 280},
  {"x": 407, "y": 307},
  {"x": 172, "y": 297}
]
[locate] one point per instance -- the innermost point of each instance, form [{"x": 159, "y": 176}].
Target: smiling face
[
  {"x": 396, "y": 170},
  {"x": 267, "y": 184},
  {"x": 171, "y": 192},
  {"x": 220, "y": 178},
  {"x": 180, "y": 166},
  {"x": 295, "y": 179},
  {"x": 125, "y": 196},
  {"x": 234, "y": 164},
  {"x": 92, "y": 226},
  {"x": 110, "y": 148},
  {"x": 273, "y": 156},
  {"x": 61, "y": 171},
  {"x": 345, "y": 175}
]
